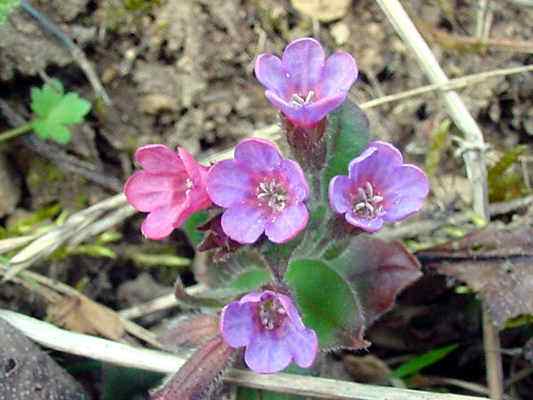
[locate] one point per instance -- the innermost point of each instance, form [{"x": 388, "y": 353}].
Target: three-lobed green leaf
[
  {"x": 56, "y": 110},
  {"x": 6, "y": 6}
]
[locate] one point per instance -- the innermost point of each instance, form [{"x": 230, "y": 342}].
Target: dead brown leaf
[
  {"x": 496, "y": 263},
  {"x": 81, "y": 314},
  {"x": 323, "y": 10}
]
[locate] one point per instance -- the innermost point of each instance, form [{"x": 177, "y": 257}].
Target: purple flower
[
  {"x": 269, "y": 326},
  {"x": 380, "y": 187},
  {"x": 304, "y": 85},
  {"x": 262, "y": 191},
  {"x": 170, "y": 188}
]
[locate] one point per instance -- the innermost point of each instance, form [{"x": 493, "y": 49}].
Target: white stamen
[
  {"x": 299, "y": 101},
  {"x": 272, "y": 194},
  {"x": 368, "y": 204}
]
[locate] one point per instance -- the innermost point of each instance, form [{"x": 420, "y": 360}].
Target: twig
[
  {"x": 57, "y": 155},
  {"x": 53, "y": 290},
  {"x": 493, "y": 358},
  {"x": 77, "y": 54},
  {"x": 426, "y": 381},
  {"x": 484, "y": 18},
  {"x": 474, "y": 160},
  {"x": 50, "y": 241},
  {"x": 161, "y": 303},
  {"x": 150, "y": 360}
]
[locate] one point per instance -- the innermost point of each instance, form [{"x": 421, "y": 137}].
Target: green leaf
[
  {"x": 415, "y": 365},
  {"x": 6, "y": 6},
  {"x": 190, "y": 227},
  {"x": 55, "y": 111},
  {"x": 250, "y": 280},
  {"x": 347, "y": 135},
  {"x": 327, "y": 303},
  {"x": 375, "y": 269}
]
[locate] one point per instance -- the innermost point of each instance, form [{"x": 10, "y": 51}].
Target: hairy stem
[{"x": 12, "y": 133}]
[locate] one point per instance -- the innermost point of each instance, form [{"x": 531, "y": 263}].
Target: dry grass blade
[
  {"x": 474, "y": 159},
  {"x": 120, "y": 354},
  {"x": 51, "y": 240}
]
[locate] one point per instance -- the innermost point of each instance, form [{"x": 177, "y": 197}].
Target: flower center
[
  {"x": 368, "y": 204},
  {"x": 300, "y": 101},
  {"x": 273, "y": 194},
  {"x": 271, "y": 314}
]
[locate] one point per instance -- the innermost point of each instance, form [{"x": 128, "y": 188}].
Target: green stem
[{"x": 15, "y": 132}]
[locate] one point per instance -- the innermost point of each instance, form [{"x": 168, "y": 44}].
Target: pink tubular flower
[
  {"x": 170, "y": 188},
  {"x": 303, "y": 84},
  {"x": 269, "y": 326},
  {"x": 262, "y": 191},
  {"x": 380, "y": 187}
]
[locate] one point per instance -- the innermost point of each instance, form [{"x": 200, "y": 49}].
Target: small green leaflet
[
  {"x": 6, "y": 6},
  {"x": 415, "y": 365},
  {"x": 55, "y": 111}
]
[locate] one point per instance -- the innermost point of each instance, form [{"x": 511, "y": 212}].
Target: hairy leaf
[
  {"x": 55, "y": 111},
  {"x": 190, "y": 227},
  {"x": 496, "y": 263},
  {"x": 200, "y": 374},
  {"x": 327, "y": 303},
  {"x": 377, "y": 271},
  {"x": 346, "y": 136}
]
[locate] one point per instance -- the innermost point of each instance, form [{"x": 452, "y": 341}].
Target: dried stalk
[
  {"x": 474, "y": 159},
  {"x": 151, "y": 360}
]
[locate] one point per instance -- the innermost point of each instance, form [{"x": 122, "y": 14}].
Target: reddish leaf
[
  {"x": 377, "y": 271},
  {"x": 191, "y": 330},
  {"x": 200, "y": 375},
  {"x": 497, "y": 263}
]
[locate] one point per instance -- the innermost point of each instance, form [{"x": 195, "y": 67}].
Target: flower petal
[
  {"x": 307, "y": 115},
  {"x": 295, "y": 178},
  {"x": 287, "y": 224},
  {"x": 269, "y": 71},
  {"x": 406, "y": 192},
  {"x": 228, "y": 184},
  {"x": 146, "y": 191},
  {"x": 162, "y": 221},
  {"x": 303, "y": 345},
  {"x": 376, "y": 165},
  {"x": 369, "y": 225},
  {"x": 338, "y": 75},
  {"x": 291, "y": 310},
  {"x": 266, "y": 353},
  {"x": 340, "y": 194},
  {"x": 195, "y": 171},
  {"x": 257, "y": 155},
  {"x": 243, "y": 223},
  {"x": 158, "y": 158},
  {"x": 237, "y": 323},
  {"x": 303, "y": 60}
]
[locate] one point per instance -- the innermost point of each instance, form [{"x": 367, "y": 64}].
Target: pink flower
[
  {"x": 304, "y": 85},
  {"x": 262, "y": 192},
  {"x": 269, "y": 326},
  {"x": 380, "y": 188},
  {"x": 170, "y": 188}
]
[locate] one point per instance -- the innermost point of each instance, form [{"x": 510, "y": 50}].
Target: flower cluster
[{"x": 259, "y": 192}]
